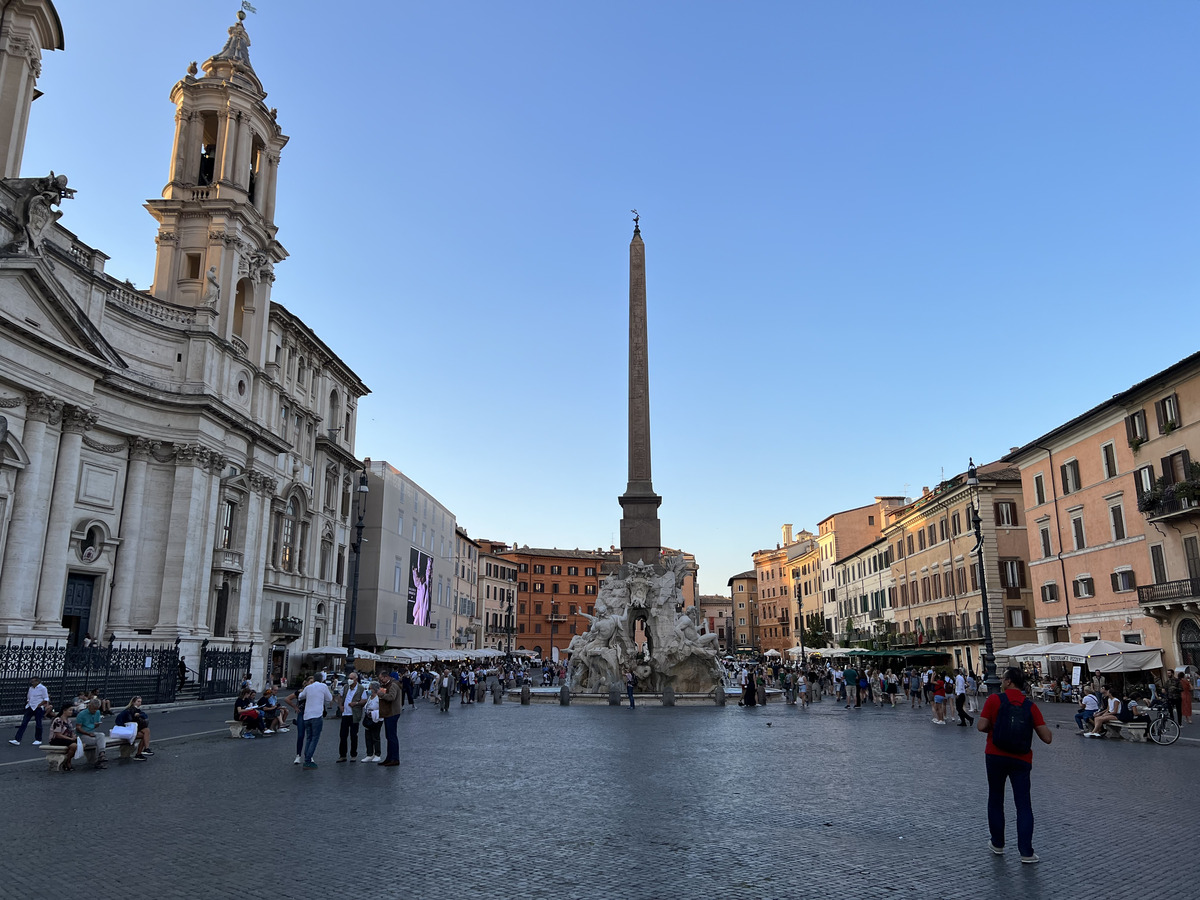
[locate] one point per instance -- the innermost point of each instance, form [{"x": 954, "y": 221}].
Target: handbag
[
  {"x": 78, "y": 748},
  {"x": 127, "y": 733}
]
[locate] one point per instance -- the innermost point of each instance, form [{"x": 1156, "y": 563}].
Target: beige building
[
  {"x": 497, "y": 591},
  {"x": 1114, "y": 500},
  {"x": 839, "y": 535},
  {"x": 743, "y": 593},
  {"x": 176, "y": 462},
  {"x": 938, "y": 577},
  {"x": 778, "y": 608},
  {"x": 866, "y": 594},
  {"x": 806, "y": 589},
  {"x": 716, "y": 610}
]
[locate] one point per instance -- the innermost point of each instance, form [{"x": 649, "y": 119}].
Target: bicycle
[{"x": 1163, "y": 729}]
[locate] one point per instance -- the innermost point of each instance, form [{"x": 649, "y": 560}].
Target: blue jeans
[
  {"x": 37, "y": 726},
  {"x": 1000, "y": 769},
  {"x": 629, "y": 691},
  {"x": 393, "y": 740},
  {"x": 1084, "y": 715},
  {"x": 312, "y": 735}
]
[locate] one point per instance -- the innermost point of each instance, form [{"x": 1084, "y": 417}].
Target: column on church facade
[
  {"x": 272, "y": 172},
  {"x": 192, "y": 131},
  {"x": 228, "y": 140},
  {"x": 185, "y": 556},
  {"x": 254, "y": 549},
  {"x": 132, "y": 510},
  {"x": 75, "y": 421},
  {"x": 241, "y": 169},
  {"x": 27, "y": 526},
  {"x": 204, "y": 599}
]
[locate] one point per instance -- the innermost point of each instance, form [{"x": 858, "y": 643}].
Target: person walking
[
  {"x": 445, "y": 689},
  {"x": 391, "y": 704},
  {"x": 1010, "y": 719},
  {"x": 1174, "y": 692},
  {"x": 37, "y": 701},
  {"x": 1185, "y": 698},
  {"x": 960, "y": 699},
  {"x": 352, "y": 701},
  {"x": 313, "y": 699},
  {"x": 630, "y": 684}
]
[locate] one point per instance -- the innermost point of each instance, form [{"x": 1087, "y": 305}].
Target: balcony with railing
[
  {"x": 227, "y": 560},
  {"x": 556, "y": 617},
  {"x": 289, "y": 626},
  {"x": 1170, "y": 593}
]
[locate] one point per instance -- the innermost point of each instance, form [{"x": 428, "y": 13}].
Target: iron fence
[
  {"x": 222, "y": 669},
  {"x": 118, "y": 672}
]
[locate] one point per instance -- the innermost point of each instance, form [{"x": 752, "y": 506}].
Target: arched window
[
  {"x": 331, "y": 421},
  {"x": 242, "y": 298},
  {"x": 287, "y": 536}
]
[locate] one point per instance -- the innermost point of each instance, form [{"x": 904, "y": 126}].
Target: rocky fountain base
[{"x": 679, "y": 657}]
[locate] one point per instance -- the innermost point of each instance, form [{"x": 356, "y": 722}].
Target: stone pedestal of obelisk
[{"x": 641, "y": 538}]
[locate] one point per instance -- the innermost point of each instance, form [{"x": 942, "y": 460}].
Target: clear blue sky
[{"x": 881, "y": 237}]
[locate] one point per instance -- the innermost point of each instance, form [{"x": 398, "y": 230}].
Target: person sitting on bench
[{"x": 1112, "y": 713}]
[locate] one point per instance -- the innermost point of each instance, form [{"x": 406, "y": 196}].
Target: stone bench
[
  {"x": 57, "y": 754},
  {"x": 1130, "y": 731}
]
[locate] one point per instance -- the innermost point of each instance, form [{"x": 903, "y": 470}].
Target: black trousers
[
  {"x": 349, "y": 730},
  {"x": 960, "y": 702}
]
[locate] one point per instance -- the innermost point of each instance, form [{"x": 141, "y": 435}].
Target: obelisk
[{"x": 641, "y": 538}]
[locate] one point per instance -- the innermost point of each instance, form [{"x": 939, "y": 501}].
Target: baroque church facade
[{"x": 175, "y": 464}]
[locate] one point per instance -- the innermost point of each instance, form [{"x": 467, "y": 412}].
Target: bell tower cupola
[{"x": 216, "y": 219}]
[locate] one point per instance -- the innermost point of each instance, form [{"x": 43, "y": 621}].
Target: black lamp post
[
  {"x": 989, "y": 656},
  {"x": 361, "y": 502},
  {"x": 800, "y": 619},
  {"x": 508, "y": 624}
]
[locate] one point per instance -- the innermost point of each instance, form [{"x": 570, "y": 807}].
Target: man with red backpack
[{"x": 1010, "y": 719}]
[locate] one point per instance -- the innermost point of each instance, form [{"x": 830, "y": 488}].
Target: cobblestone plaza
[{"x": 595, "y": 801}]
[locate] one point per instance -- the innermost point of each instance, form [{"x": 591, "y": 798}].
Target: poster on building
[{"x": 420, "y": 586}]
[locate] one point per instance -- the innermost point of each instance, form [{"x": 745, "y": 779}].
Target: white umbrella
[
  {"x": 328, "y": 651},
  {"x": 795, "y": 651},
  {"x": 772, "y": 653}
]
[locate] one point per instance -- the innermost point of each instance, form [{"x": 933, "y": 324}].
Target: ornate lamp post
[
  {"x": 361, "y": 503},
  {"x": 989, "y": 656}
]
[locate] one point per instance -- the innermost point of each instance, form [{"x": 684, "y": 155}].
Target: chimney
[{"x": 787, "y": 535}]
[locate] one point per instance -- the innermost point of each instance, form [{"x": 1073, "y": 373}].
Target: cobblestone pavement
[{"x": 596, "y": 801}]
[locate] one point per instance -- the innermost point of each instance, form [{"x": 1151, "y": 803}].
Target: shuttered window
[
  {"x": 1039, "y": 489},
  {"x": 1049, "y": 593},
  {"x": 1166, "y": 411},
  {"x": 1117, "y": 516},
  {"x": 1135, "y": 426},
  {"x": 1070, "y": 476}
]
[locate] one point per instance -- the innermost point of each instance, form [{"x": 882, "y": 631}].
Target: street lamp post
[
  {"x": 508, "y": 624},
  {"x": 989, "y": 656},
  {"x": 362, "y": 491}
]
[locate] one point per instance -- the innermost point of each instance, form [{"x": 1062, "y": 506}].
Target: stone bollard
[
  {"x": 564, "y": 696},
  {"x": 614, "y": 695},
  {"x": 497, "y": 695},
  {"x": 480, "y": 692},
  {"x": 668, "y": 696},
  {"x": 524, "y": 695},
  {"x": 720, "y": 695}
]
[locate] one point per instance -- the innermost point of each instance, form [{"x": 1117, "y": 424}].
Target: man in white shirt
[
  {"x": 1088, "y": 707},
  {"x": 960, "y": 699},
  {"x": 37, "y": 701},
  {"x": 314, "y": 697}
]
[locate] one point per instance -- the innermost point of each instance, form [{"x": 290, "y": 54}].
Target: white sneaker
[
  {"x": 15, "y": 742},
  {"x": 37, "y": 743},
  {"x": 297, "y": 760},
  {"x": 283, "y": 730},
  {"x": 367, "y": 759},
  {"x": 268, "y": 731}
]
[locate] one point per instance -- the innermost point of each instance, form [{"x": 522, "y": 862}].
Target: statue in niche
[{"x": 212, "y": 291}]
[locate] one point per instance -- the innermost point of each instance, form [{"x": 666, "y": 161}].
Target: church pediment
[{"x": 33, "y": 301}]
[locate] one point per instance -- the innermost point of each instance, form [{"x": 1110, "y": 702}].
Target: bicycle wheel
[{"x": 1164, "y": 731}]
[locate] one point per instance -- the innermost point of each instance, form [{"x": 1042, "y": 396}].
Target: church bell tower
[{"x": 216, "y": 219}]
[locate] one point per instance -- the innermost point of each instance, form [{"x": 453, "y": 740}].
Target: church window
[
  {"x": 334, "y": 412},
  {"x": 241, "y": 296},
  {"x": 287, "y": 549},
  {"x": 193, "y": 266},
  {"x": 326, "y": 555},
  {"x": 227, "y": 514},
  {"x": 208, "y": 149},
  {"x": 257, "y": 164}
]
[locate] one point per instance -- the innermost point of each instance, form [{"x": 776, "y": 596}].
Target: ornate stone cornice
[
  {"x": 11, "y": 402},
  {"x": 41, "y": 407},
  {"x": 143, "y": 448},
  {"x": 75, "y": 419}
]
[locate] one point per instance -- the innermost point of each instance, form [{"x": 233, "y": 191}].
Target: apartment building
[
  {"x": 778, "y": 613},
  {"x": 866, "y": 592},
  {"x": 497, "y": 591},
  {"x": 843, "y": 533},
  {"x": 743, "y": 593},
  {"x": 937, "y": 572},
  {"x": 1114, "y": 499},
  {"x": 716, "y": 610},
  {"x": 806, "y": 588},
  {"x": 555, "y": 588}
]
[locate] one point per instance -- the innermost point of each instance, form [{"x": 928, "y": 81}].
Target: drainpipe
[{"x": 1058, "y": 528}]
